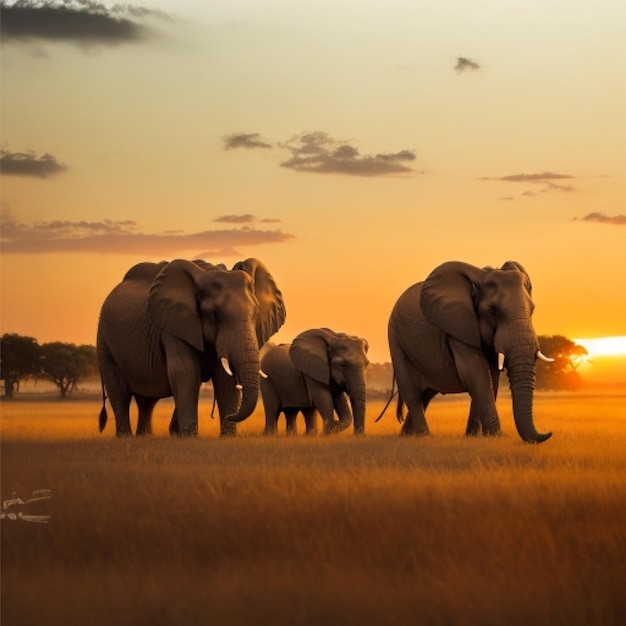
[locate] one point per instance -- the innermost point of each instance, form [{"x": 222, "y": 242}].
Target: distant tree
[
  {"x": 561, "y": 374},
  {"x": 19, "y": 360},
  {"x": 379, "y": 380},
  {"x": 65, "y": 364}
]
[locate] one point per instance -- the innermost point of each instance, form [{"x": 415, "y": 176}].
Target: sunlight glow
[{"x": 604, "y": 346}]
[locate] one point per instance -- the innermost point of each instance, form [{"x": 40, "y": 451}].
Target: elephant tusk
[
  {"x": 226, "y": 366},
  {"x": 263, "y": 374},
  {"x": 500, "y": 361},
  {"x": 238, "y": 386},
  {"x": 542, "y": 357}
]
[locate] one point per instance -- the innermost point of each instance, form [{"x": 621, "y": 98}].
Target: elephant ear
[
  {"x": 272, "y": 311},
  {"x": 172, "y": 302},
  {"x": 514, "y": 265},
  {"x": 309, "y": 353},
  {"x": 448, "y": 300}
]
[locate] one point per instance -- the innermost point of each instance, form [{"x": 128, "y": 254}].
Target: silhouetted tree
[
  {"x": 567, "y": 356},
  {"x": 19, "y": 360},
  {"x": 64, "y": 364}
]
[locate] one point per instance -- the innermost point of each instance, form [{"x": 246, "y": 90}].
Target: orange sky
[{"x": 350, "y": 146}]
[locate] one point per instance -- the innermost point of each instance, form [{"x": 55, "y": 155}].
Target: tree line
[
  {"x": 63, "y": 364},
  {"x": 66, "y": 364}
]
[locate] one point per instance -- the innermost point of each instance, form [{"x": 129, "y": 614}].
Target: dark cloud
[
  {"x": 78, "y": 21},
  {"x": 28, "y": 164},
  {"x": 124, "y": 237},
  {"x": 616, "y": 220},
  {"x": 464, "y": 64},
  {"x": 319, "y": 153},
  {"x": 245, "y": 140}
]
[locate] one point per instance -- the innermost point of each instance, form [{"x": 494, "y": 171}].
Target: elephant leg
[
  {"x": 145, "y": 406},
  {"x": 475, "y": 374},
  {"x": 120, "y": 396},
  {"x": 340, "y": 403},
  {"x": 473, "y": 422},
  {"x": 310, "y": 420},
  {"x": 290, "y": 417},
  {"x": 410, "y": 390},
  {"x": 183, "y": 372},
  {"x": 174, "y": 424},
  {"x": 271, "y": 406}
]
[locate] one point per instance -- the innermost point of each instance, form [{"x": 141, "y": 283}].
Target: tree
[
  {"x": 19, "y": 360},
  {"x": 561, "y": 374},
  {"x": 65, "y": 364}
]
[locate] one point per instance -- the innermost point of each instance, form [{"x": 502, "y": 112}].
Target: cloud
[
  {"x": 545, "y": 179},
  {"x": 531, "y": 178},
  {"x": 124, "y": 237},
  {"x": 464, "y": 64},
  {"x": 78, "y": 21},
  {"x": 319, "y": 153},
  {"x": 245, "y": 140},
  {"x": 236, "y": 219},
  {"x": 616, "y": 220},
  {"x": 28, "y": 164}
]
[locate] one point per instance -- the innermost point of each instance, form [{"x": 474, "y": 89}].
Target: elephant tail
[
  {"x": 391, "y": 396},
  {"x": 102, "y": 421}
]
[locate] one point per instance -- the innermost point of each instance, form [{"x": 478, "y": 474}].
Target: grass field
[{"x": 305, "y": 531}]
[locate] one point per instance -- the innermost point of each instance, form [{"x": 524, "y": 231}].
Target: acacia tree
[
  {"x": 65, "y": 364},
  {"x": 19, "y": 360},
  {"x": 568, "y": 356}
]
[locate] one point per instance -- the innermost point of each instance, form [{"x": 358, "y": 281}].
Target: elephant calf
[{"x": 318, "y": 372}]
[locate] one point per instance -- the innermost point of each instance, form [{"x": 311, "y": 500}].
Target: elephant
[
  {"x": 169, "y": 326},
  {"x": 455, "y": 332},
  {"x": 318, "y": 372}
]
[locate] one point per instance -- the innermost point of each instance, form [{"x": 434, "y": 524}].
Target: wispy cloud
[
  {"x": 80, "y": 21},
  {"x": 541, "y": 177},
  {"x": 616, "y": 220},
  {"x": 125, "y": 237},
  {"x": 29, "y": 164},
  {"x": 249, "y": 141},
  {"x": 465, "y": 64},
  {"x": 544, "y": 179},
  {"x": 317, "y": 152},
  {"x": 246, "y": 218}
]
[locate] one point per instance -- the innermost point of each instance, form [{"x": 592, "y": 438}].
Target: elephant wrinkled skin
[
  {"x": 168, "y": 327},
  {"x": 454, "y": 332},
  {"x": 319, "y": 372}
]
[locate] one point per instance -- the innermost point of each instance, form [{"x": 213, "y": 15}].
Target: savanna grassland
[{"x": 301, "y": 531}]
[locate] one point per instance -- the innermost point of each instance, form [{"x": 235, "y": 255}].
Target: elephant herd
[{"x": 170, "y": 326}]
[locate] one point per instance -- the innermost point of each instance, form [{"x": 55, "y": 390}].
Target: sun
[{"x": 603, "y": 346}]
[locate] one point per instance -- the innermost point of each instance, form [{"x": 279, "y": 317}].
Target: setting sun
[{"x": 604, "y": 346}]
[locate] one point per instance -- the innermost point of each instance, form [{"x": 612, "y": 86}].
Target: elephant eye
[
  {"x": 493, "y": 311},
  {"x": 215, "y": 315}
]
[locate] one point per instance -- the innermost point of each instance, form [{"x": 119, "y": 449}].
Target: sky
[{"x": 351, "y": 146}]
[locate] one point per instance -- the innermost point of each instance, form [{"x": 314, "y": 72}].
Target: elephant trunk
[
  {"x": 358, "y": 409},
  {"x": 521, "y": 375},
  {"x": 244, "y": 365},
  {"x": 357, "y": 400}
]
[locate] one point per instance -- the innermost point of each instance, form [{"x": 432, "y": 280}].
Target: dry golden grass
[{"x": 375, "y": 530}]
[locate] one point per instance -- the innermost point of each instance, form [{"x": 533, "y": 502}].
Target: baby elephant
[{"x": 318, "y": 372}]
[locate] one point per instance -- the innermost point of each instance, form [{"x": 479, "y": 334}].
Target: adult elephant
[
  {"x": 169, "y": 326},
  {"x": 454, "y": 333},
  {"x": 319, "y": 372}
]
